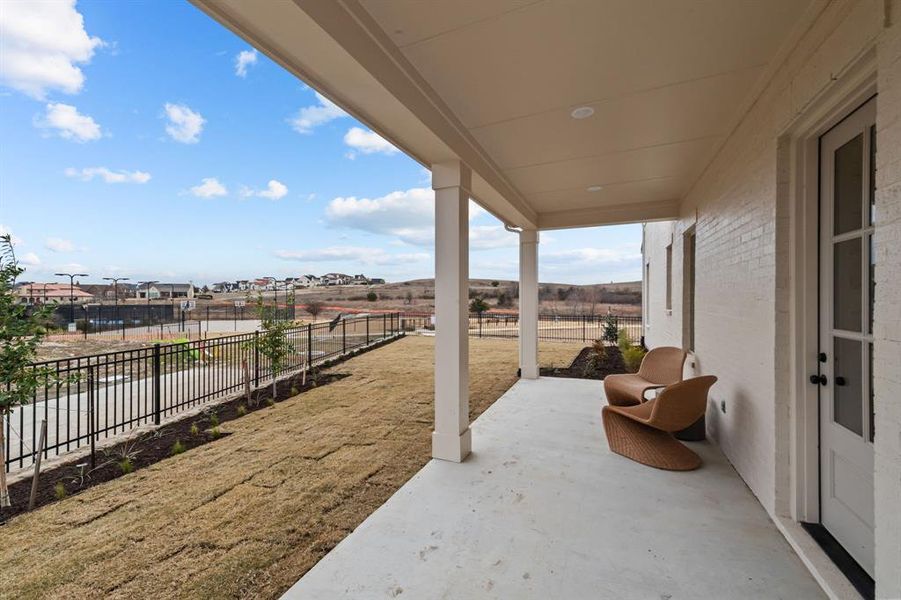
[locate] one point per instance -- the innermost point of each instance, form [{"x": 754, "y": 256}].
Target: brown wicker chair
[
  {"x": 660, "y": 367},
  {"x": 644, "y": 432}
]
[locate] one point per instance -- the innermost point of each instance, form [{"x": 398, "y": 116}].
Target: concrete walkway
[{"x": 542, "y": 509}]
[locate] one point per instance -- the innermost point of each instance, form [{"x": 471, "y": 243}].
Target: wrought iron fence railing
[
  {"x": 563, "y": 328},
  {"x": 107, "y": 394}
]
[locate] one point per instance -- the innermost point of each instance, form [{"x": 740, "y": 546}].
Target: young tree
[
  {"x": 611, "y": 328},
  {"x": 273, "y": 342},
  {"x": 372, "y": 296},
  {"x": 495, "y": 283},
  {"x": 314, "y": 307},
  {"x": 408, "y": 297},
  {"x": 21, "y": 331},
  {"x": 478, "y": 306}
]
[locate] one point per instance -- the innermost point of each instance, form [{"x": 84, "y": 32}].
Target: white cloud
[
  {"x": 59, "y": 245},
  {"x": 245, "y": 58},
  {"x": 68, "y": 123},
  {"x": 89, "y": 173},
  {"x": 275, "y": 190},
  {"x": 30, "y": 259},
  {"x": 593, "y": 257},
  {"x": 311, "y": 117},
  {"x": 409, "y": 216},
  {"x": 366, "y": 142},
  {"x": 489, "y": 237},
  {"x": 209, "y": 187},
  {"x": 185, "y": 125},
  {"x": 41, "y": 46},
  {"x": 71, "y": 267},
  {"x": 353, "y": 254}
]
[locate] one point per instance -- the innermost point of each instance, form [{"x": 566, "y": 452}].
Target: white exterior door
[{"x": 846, "y": 332}]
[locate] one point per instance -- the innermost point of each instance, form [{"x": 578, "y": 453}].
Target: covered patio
[
  {"x": 542, "y": 509},
  {"x": 561, "y": 114}
]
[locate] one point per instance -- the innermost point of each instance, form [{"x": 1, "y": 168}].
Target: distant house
[
  {"x": 242, "y": 285},
  {"x": 335, "y": 279},
  {"x": 165, "y": 291},
  {"x": 223, "y": 287},
  {"x": 51, "y": 293},
  {"x": 359, "y": 280},
  {"x": 306, "y": 281},
  {"x": 377, "y": 281}
]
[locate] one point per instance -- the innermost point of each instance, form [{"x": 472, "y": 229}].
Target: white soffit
[{"x": 493, "y": 82}]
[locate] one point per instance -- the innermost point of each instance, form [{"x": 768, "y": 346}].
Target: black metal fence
[
  {"x": 105, "y": 394},
  {"x": 561, "y": 328},
  {"x": 124, "y": 321}
]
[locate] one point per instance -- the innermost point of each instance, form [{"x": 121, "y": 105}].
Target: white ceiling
[
  {"x": 666, "y": 78},
  {"x": 493, "y": 82}
]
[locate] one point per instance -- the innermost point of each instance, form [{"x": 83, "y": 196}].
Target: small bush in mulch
[
  {"x": 587, "y": 365},
  {"x": 169, "y": 440}
]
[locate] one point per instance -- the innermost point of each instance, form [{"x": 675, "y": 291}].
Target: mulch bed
[
  {"x": 582, "y": 367},
  {"x": 145, "y": 449}
]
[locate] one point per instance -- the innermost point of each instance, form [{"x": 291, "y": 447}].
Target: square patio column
[
  {"x": 451, "y": 439},
  {"x": 528, "y": 304}
]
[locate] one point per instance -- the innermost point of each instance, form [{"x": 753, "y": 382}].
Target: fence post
[
  {"x": 343, "y": 336},
  {"x": 309, "y": 346},
  {"x": 384, "y": 325},
  {"x": 367, "y": 330},
  {"x": 480, "y": 324},
  {"x": 156, "y": 384},
  {"x": 256, "y": 358},
  {"x": 91, "y": 412},
  {"x": 123, "y": 329},
  {"x": 583, "y": 328}
]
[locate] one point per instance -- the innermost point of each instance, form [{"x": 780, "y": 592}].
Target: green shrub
[
  {"x": 372, "y": 296},
  {"x": 177, "y": 448},
  {"x": 215, "y": 433},
  {"x": 598, "y": 353},
  {"x": 214, "y": 419},
  {"x": 242, "y": 410},
  {"x": 270, "y": 402},
  {"x": 478, "y": 306},
  {"x": 623, "y": 340},
  {"x": 195, "y": 430},
  {"x": 59, "y": 490},
  {"x": 632, "y": 357},
  {"x": 126, "y": 466},
  {"x": 294, "y": 390}
]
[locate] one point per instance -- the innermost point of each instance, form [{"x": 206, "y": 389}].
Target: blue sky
[{"x": 143, "y": 139}]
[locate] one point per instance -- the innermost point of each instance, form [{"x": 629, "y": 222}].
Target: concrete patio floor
[{"x": 542, "y": 509}]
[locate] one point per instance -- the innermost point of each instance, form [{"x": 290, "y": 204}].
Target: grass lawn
[{"x": 247, "y": 515}]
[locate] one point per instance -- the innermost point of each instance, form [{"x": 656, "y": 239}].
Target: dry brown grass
[{"x": 247, "y": 515}]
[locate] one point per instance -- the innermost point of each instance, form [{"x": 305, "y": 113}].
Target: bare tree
[{"x": 314, "y": 307}]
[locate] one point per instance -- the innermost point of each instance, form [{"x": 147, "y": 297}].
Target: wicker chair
[
  {"x": 660, "y": 367},
  {"x": 644, "y": 432}
]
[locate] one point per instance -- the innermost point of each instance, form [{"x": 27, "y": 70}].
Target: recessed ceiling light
[
  {"x": 583, "y": 112},
  {"x": 594, "y": 188}
]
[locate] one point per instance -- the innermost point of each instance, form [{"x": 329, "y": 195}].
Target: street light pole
[
  {"x": 147, "y": 293},
  {"x": 71, "y": 277},
  {"x": 116, "y": 281}
]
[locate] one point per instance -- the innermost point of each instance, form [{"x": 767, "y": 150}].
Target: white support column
[
  {"x": 451, "y": 439},
  {"x": 528, "y": 304}
]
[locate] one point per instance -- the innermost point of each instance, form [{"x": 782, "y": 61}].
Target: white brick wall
[
  {"x": 887, "y": 325},
  {"x": 742, "y": 297}
]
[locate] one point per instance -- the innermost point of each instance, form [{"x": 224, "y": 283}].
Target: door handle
[
  {"x": 840, "y": 381},
  {"x": 818, "y": 379}
]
